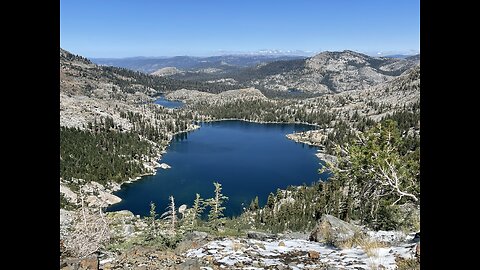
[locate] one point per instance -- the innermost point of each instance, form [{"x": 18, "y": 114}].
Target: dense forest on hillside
[
  {"x": 109, "y": 153},
  {"x": 101, "y": 156},
  {"x": 266, "y": 110},
  {"x": 161, "y": 84}
]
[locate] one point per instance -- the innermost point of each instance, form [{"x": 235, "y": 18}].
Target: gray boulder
[
  {"x": 260, "y": 235},
  {"x": 196, "y": 236},
  {"x": 333, "y": 231}
]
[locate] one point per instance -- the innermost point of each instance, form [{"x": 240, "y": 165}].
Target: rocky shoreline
[
  {"x": 156, "y": 163},
  {"x": 99, "y": 195}
]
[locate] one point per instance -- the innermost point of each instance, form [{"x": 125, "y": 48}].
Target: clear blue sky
[{"x": 118, "y": 28}]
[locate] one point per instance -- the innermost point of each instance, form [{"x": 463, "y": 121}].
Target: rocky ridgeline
[
  {"x": 336, "y": 72},
  {"x": 374, "y": 103},
  {"x": 95, "y": 194},
  {"x": 87, "y": 93},
  {"x": 391, "y": 96}
]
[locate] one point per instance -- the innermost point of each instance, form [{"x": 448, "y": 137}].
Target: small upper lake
[
  {"x": 168, "y": 103},
  {"x": 248, "y": 159}
]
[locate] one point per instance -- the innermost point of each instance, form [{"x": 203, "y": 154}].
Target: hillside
[
  {"x": 110, "y": 112},
  {"x": 275, "y": 76},
  {"x": 326, "y": 72}
]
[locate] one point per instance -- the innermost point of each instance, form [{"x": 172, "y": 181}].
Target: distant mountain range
[
  {"x": 192, "y": 63},
  {"x": 325, "y": 72},
  {"x": 274, "y": 74},
  {"x": 401, "y": 56}
]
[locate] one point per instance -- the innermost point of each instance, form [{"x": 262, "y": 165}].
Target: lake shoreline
[
  {"x": 155, "y": 162},
  {"x": 275, "y": 149},
  {"x": 256, "y": 121},
  {"x": 158, "y": 158},
  {"x": 153, "y": 165}
]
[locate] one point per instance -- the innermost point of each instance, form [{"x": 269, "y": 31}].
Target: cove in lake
[
  {"x": 168, "y": 103},
  {"x": 248, "y": 159}
]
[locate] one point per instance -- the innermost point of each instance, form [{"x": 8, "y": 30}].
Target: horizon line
[{"x": 272, "y": 53}]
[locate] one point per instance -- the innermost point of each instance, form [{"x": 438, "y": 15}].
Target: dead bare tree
[
  {"x": 171, "y": 215},
  {"x": 89, "y": 232}
]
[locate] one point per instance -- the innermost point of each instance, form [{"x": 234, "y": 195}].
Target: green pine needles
[{"x": 215, "y": 216}]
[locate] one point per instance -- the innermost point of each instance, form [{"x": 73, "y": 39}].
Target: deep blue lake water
[
  {"x": 168, "y": 103},
  {"x": 248, "y": 159}
]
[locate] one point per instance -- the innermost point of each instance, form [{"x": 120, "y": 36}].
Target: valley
[{"x": 115, "y": 130}]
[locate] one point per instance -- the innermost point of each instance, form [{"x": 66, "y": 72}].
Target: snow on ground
[{"x": 297, "y": 254}]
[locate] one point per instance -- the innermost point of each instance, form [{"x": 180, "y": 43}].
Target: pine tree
[
  {"x": 271, "y": 200},
  {"x": 151, "y": 220},
  {"x": 376, "y": 173},
  {"x": 254, "y": 204},
  {"x": 215, "y": 217},
  {"x": 192, "y": 215},
  {"x": 198, "y": 207}
]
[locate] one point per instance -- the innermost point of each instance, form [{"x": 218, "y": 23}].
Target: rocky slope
[
  {"x": 329, "y": 72},
  {"x": 166, "y": 71},
  {"x": 401, "y": 93},
  {"x": 392, "y": 95},
  {"x": 193, "y": 96},
  {"x": 91, "y": 94},
  {"x": 360, "y": 249},
  {"x": 88, "y": 92}
]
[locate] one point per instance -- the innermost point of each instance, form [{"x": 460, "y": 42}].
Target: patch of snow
[{"x": 250, "y": 252}]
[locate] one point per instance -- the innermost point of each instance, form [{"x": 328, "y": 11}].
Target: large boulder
[
  {"x": 333, "y": 231},
  {"x": 259, "y": 235}
]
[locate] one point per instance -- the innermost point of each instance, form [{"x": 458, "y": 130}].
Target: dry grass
[
  {"x": 364, "y": 242},
  {"x": 370, "y": 247},
  {"x": 357, "y": 240},
  {"x": 407, "y": 264},
  {"x": 236, "y": 246}
]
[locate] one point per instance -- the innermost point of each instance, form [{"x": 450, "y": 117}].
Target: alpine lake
[{"x": 248, "y": 159}]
